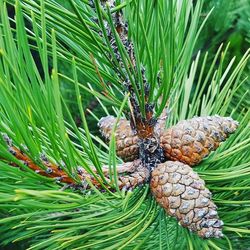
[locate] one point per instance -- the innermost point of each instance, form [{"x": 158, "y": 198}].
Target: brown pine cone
[
  {"x": 189, "y": 141},
  {"x": 126, "y": 140},
  {"x": 181, "y": 192},
  {"x": 133, "y": 179},
  {"x": 130, "y": 175}
]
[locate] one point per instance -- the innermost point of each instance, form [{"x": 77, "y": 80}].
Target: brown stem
[{"x": 130, "y": 174}]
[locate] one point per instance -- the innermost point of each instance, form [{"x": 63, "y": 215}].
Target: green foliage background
[{"x": 49, "y": 52}]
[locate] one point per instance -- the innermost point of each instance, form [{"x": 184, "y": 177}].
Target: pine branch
[
  {"x": 130, "y": 174},
  {"x": 142, "y": 117},
  {"x": 164, "y": 41}
]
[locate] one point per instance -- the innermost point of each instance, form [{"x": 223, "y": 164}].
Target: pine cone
[
  {"x": 130, "y": 175},
  {"x": 131, "y": 180},
  {"x": 181, "y": 192},
  {"x": 189, "y": 141},
  {"x": 126, "y": 140}
]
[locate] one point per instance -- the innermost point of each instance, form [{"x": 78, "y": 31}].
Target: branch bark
[{"x": 130, "y": 174}]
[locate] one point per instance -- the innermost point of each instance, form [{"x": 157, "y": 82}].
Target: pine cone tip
[{"x": 106, "y": 124}]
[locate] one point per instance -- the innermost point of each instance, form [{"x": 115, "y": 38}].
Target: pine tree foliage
[{"x": 35, "y": 212}]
